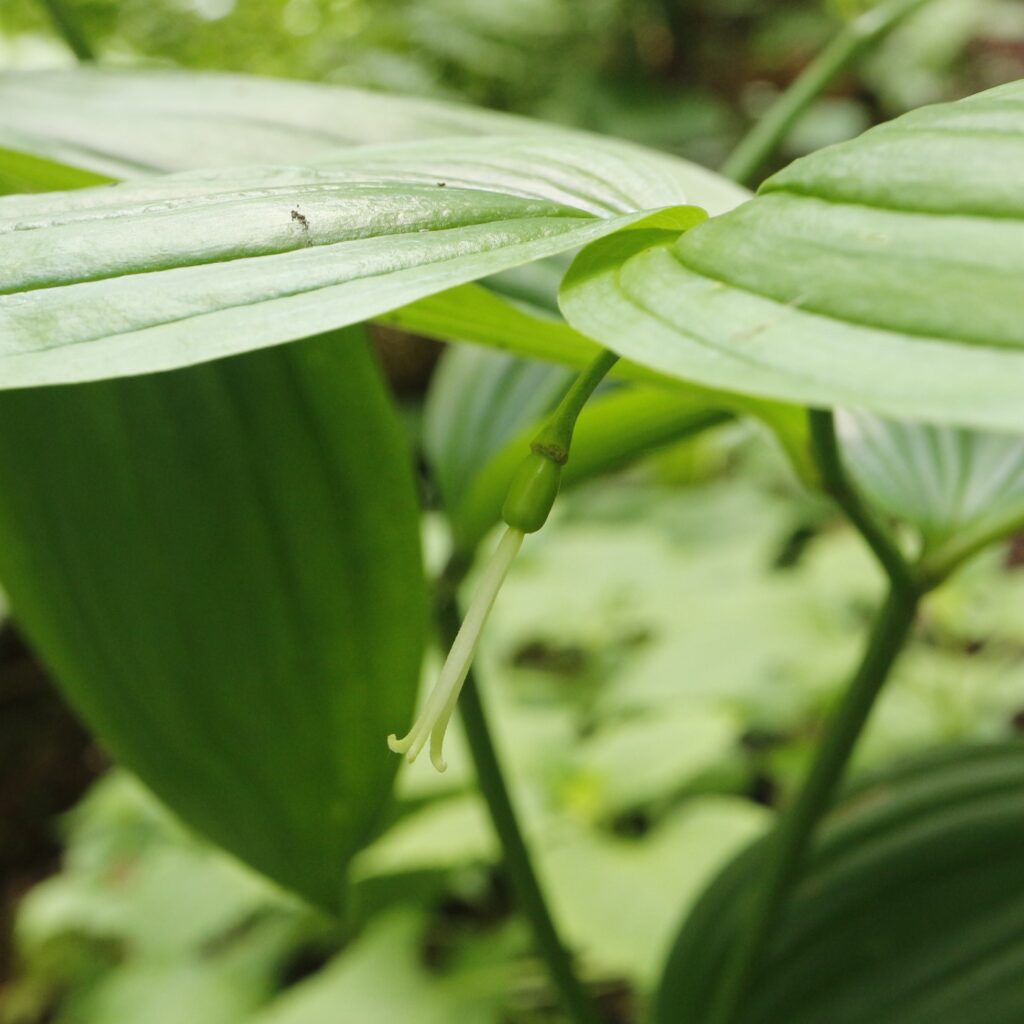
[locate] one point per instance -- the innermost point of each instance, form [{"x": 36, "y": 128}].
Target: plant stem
[
  {"x": 577, "y": 1004},
  {"x": 852, "y": 40},
  {"x": 68, "y": 28},
  {"x": 938, "y": 564},
  {"x": 788, "y": 845},
  {"x": 555, "y": 436},
  {"x": 825, "y": 450}
]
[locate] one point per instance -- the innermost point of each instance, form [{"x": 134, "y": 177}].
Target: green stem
[
  {"x": 825, "y": 450},
  {"x": 555, "y": 436},
  {"x": 939, "y": 563},
  {"x": 69, "y": 30},
  {"x": 788, "y": 846},
  {"x": 854, "y": 39},
  {"x": 577, "y": 1004}
]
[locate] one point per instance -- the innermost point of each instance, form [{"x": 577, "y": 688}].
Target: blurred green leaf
[
  {"x": 618, "y": 899},
  {"x": 212, "y": 562},
  {"x": 382, "y": 979},
  {"x": 909, "y": 911}
]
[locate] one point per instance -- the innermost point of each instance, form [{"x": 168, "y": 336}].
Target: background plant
[{"x": 972, "y": 475}]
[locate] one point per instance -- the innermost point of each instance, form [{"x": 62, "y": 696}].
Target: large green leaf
[
  {"x": 911, "y": 910},
  {"x": 884, "y": 273},
  {"x": 161, "y": 273},
  {"x": 213, "y": 563},
  {"x": 141, "y": 122}
]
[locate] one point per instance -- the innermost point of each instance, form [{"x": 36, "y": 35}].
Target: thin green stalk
[
  {"x": 577, "y": 1004},
  {"x": 939, "y": 563},
  {"x": 555, "y": 437},
  {"x": 788, "y": 845},
  {"x": 853, "y": 40},
  {"x": 69, "y": 30},
  {"x": 825, "y": 451}
]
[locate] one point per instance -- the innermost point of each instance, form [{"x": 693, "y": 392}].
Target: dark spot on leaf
[
  {"x": 442, "y": 184},
  {"x": 301, "y": 218}
]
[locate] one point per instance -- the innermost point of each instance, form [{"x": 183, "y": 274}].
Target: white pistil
[{"x": 433, "y": 719}]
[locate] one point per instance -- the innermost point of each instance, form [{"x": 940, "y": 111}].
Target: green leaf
[
  {"x": 212, "y": 562},
  {"x": 382, "y": 977},
  {"x": 960, "y": 489},
  {"x": 139, "y": 122},
  {"x": 162, "y": 273},
  {"x": 883, "y": 273},
  {"x": 23, "y": 172},
  {"x": 129, "y": 122},
  {"x": 909, "y": 911}
]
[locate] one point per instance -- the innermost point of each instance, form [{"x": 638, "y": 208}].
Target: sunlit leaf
[
  {"x": 884, "y": 273},
  {"x": 167, "y": 272}
]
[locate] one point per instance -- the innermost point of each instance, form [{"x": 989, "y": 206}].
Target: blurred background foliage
[
  {"x": 649, "y": 719},
  {"x": 683, "y": 74}
]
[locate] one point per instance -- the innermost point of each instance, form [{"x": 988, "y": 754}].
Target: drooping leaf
[
  {"x": 883, "y": 273},
  {"x": 162, "y": 273},
  {"x": 959, "y": 487},
  {"x": 909, "y": 911},
  {"x": 212, "y": 562}
]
